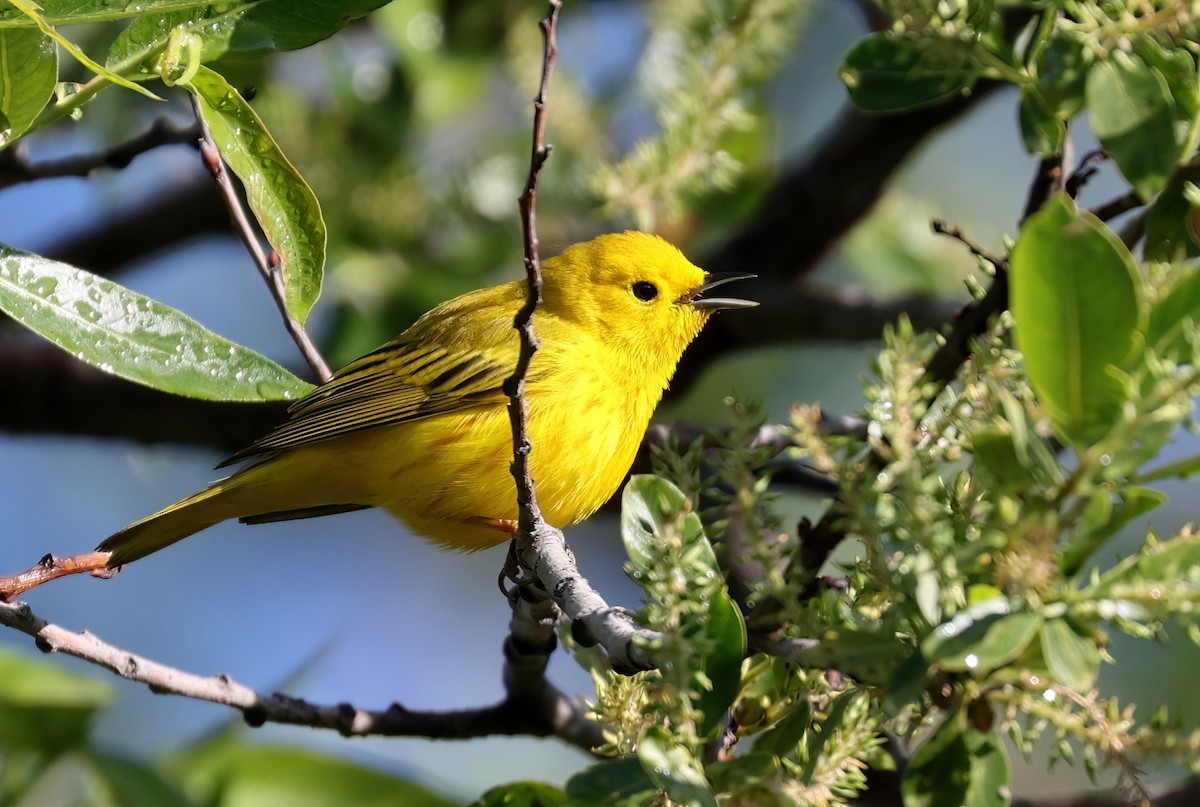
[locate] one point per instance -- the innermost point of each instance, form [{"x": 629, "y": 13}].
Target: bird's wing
[{"x": 402, "y": 381}]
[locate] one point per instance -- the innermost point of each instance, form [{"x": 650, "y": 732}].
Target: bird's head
[{"x": 638, "y": 292}]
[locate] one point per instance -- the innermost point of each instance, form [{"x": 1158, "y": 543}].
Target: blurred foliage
[{"x": 966, "y": 603}]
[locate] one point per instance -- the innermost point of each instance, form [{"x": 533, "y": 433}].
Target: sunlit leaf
[
  {"x": 284, "y": 204},
  {"x": 616, "y": 782},
  {"x": 522, "y": 794},
  {"x": 1094, "y": 531},
  {"x": 28, "y": 73},
  {"x": 981, "y": 638},
  {"x": 239, "y": 27},
  {"x": 33, "y": 11},
  {"x": 133, "y": 336},
  {"x": 1075, "y": 298}
]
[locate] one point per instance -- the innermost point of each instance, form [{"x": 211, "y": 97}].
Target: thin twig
[
  {"x": 15, "y": 166},
  {"x": 941, "y": 228},
  {"x": 268, "y": 265},
  {"x": 1115, "y": 207},
  {"x": 550, "y": 713}
]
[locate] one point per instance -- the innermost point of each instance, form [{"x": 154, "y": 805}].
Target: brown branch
[
  {"x": 16, "y": 168},
  {"x": 268, "y": 266},
  {"x": 540, "y": 712}
]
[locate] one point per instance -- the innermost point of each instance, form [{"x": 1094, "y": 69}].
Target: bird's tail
[{"x": 199, "y": 511}]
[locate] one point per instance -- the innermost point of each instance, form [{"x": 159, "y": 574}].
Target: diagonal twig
[{"x": 268, "y": 265}]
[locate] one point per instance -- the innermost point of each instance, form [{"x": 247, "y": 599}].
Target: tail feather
[{"x": 186, "y": 517}]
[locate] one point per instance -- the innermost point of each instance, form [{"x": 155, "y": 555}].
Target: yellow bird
[{"x": 420, "y": 426}]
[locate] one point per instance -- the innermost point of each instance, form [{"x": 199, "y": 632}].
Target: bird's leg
[{"x": 50, "y": 568}]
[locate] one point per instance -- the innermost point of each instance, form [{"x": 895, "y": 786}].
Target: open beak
[{"x": 696, "y": 298}]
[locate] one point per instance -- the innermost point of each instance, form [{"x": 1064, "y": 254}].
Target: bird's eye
[{"x": 645, "y": 291}]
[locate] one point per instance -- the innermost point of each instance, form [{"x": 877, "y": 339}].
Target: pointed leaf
[
  {"x": 284, "y": 205},
  {"x": 133, "y": 336},
  {"x": 1075, "y": 298}
]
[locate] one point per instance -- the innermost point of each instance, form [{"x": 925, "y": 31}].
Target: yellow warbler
[{"x": 420, "y": 426}]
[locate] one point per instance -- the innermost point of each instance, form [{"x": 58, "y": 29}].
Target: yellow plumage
[{"x": 419, "y": 426}]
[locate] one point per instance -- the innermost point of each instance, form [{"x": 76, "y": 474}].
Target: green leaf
[
  {"x": 651, "y": 509},
  {"x": 44, "y": 707},
  {"x": 958, "y": 767},
  {"x": 618, "y": 782},
  {"x": 73, "y": 12},
  {"x": 131, "y": 784},
  {"x": 981, "y": 638},
  {"x": 1178, "y": 69},
  {"x": 236, "y": 774},
  {"x": 1132, "y": 114},
  {"x": 1102, "y": 523},
  {"x": 28, "y": 73},
  {"x": 783, "y": 737},
  {"x": 1165, "y": 332},
  {"x": 1042, "y": 131},
  {"x": 240, "y": 27},
  {"x": 1071, "y": 654},
  {"x": 1171, "y": 223},
  {"x": 673, "y": 768},
  {"x": 890, "y": 71},
  {"x": 1169, "y": 561},
  {"x": 522, "y": 794},
  {"x": 1179, "y": 469},
  {"x": 286, "y": 208},
  {"x": 132, "y": 336},
  {"x": 31, "y": 10},
  {"x": 726, "y": 630},
  {"x": 1075, "y": 298},
  {"x": 1062, "y": 67}
]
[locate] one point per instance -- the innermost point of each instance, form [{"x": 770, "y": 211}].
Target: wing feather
[{"x": 407, "y": 385}]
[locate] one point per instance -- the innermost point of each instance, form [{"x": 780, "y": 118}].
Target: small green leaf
[
  {"x": 523, "y": 794},
  {"x": 652, "y": 509},
  {"x": 44, "y": 707},
  {"x": 890, "y": 71},
  {"x": 981, "y": 638},
  {"x": 132, "y": 336},
  {"x": 783, "y": 737},
  {"x": 1042, "y": 131},
  {"x": 284, "y": 205},
  {"x": 673, "y": 768},
  {"x": 1075, "y": 298},
  {"x": 1071, "y": 654},
  {"x": 28, "y": 74},
  {"x": 958, "y": 767},
  {"x": 1132, "y": 114},
  {"x": 726, "y": 630},
  {"x": 618, "y": 782},
  {"x": 1102, "y": 522}
]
